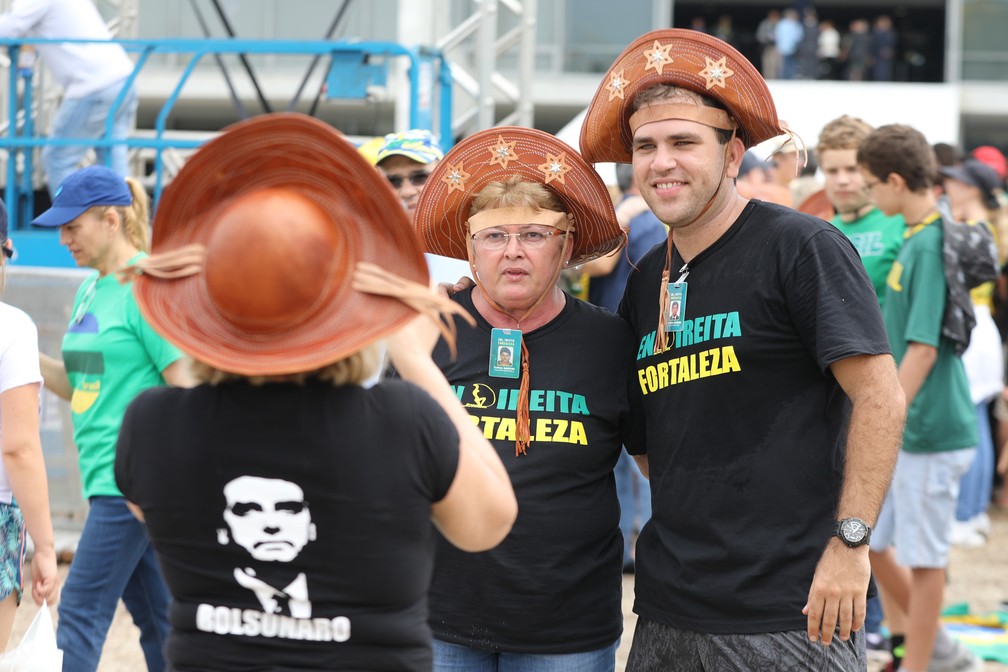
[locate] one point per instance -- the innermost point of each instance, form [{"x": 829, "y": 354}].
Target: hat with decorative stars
[
  {"x": 688, "y": 59},
  {"x": 496, "y": 154}
]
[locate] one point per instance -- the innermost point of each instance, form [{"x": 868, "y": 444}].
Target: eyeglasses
[
  {"x": 496, "y": 239},
  {"x": 417, "y": 179}
]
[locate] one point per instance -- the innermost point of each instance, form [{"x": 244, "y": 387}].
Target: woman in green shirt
[{"x": 110, "y": 354}]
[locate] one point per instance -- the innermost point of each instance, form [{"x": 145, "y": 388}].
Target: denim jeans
[
  {"x": 114, "y": 559},
  {"x": 456, "y": 658},
  {"x": 85, "y": 118},
  {"x": 634, "y": 494},
  {"x": 874, "y": 615},
  {"x": 977, "y": 483}
]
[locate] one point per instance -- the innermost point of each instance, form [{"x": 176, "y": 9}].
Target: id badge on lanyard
[
  {"x": 676, "y": 315},
  {"x": 505, "y": 353}
]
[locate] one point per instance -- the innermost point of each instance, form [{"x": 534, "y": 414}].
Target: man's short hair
[
  {"x": 844, "y": 132},
  {"x": 946, "y": 154},
  {"x": 900, "y": 149}
]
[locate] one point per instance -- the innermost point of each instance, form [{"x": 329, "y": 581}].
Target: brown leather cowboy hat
[
  {"x": 496, "y": 154},
  {"x": 688, "y": 59},
  {"x": 260, "y": 244}
]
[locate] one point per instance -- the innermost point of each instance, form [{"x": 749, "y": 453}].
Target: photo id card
[
  {"x": 677, "y": 306},
  {"x": 505, "y": 352}
]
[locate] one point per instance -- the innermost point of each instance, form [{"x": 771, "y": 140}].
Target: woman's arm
[
  {"x": 22, "y": 459},
  {"x": 480, "y": 507},
  {"x": 179, "y": 373},
  {"x": 55, "y": 376}
]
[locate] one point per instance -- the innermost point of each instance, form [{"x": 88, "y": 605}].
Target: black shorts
[{"x": 663, "y": 648}]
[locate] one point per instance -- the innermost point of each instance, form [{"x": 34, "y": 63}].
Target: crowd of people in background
[{"x": 799, "y": 44}]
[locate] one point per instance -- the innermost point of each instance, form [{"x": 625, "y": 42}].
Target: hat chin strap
[
  {"x": 523, "y": 421},
  {"x": 661, "y": 337},
  {"x": 702, "y": 114}
]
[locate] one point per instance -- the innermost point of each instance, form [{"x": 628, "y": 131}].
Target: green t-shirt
[
  {"x": 111, "y": 355},
  {"x": 941, "y": 417},
  {"x": 878, "y": 239}
]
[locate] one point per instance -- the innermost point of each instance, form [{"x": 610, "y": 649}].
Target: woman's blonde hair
[
  {"x": 133, "y": 217},
  {"x": 516, "y": 192},
  {"x": 352, "y": 370}
]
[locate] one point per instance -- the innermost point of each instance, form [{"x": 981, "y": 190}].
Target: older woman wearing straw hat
[
  {"x": 290, "y": 506},
  {"x": 520, "y": 205}
]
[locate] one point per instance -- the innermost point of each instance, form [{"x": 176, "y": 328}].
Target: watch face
[{"x": 853, "y": 530}]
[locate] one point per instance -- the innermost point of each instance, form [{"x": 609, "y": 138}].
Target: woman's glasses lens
[{"x": 495, "y": 239}]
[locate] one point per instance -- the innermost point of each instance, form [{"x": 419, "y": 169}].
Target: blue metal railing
[{"x": 427, "y": 70}]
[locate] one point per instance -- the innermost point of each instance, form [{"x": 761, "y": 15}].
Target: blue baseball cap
[
  {"x": 83, "y": 189},
  {"x": 8, "y": 251}
]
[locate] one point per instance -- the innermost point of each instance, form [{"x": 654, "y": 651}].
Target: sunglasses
[{"x": 417, "y": 179}]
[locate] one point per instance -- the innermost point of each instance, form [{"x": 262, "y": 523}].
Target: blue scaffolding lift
[{"x": 354, "y": 68}]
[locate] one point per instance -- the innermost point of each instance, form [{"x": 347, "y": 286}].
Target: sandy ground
[{"x": 978, "y": 576}]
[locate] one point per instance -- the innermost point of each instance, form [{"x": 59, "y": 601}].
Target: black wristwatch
[{"x": 853, "y": 532}]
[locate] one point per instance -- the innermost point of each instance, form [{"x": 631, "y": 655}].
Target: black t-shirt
[
  {"x": 554, "y": 584},
  {"x": 292, "y": 522},
  {"x": 746, "y": 426}
]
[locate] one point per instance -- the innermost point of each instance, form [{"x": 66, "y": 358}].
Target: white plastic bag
[{"x": 37, "y": 650}]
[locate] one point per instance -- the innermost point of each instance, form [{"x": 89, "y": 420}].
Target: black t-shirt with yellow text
[
  {"x": 554, "y": 584},
  {"x": 746, "y": 426}
]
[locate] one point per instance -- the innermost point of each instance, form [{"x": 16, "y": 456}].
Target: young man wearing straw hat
[{"x": 772, "y": 407}]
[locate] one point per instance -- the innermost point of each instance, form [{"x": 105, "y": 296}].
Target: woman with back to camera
[
  {"x": 109, "y": 355},
  {"x": 304, "y": 539},
  {"x": 520, "y": 206},
  {"x": 24, "y": 491}
]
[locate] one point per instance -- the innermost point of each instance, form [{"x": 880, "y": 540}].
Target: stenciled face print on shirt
[{"x": 270, "y": 519}]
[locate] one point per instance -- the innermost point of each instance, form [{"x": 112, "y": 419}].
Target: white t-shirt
[
  {"x": 983, "y": 359},
  {"x": 19, "y": 365},
  {"x": 80, "y": 68},
  {"x": 447, "y": 269}
]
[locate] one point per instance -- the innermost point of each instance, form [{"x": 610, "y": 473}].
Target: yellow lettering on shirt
[
  {"x": 685, "y": 369},
  {"x": 893, "y": 279}
]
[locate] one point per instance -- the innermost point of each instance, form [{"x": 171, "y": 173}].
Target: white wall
[{"x": 806, "y": 106}]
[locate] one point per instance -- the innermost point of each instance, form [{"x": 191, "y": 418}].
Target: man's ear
[
  {"x": 896, "y": 181},
  {"x": 736, "y": 150}
]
